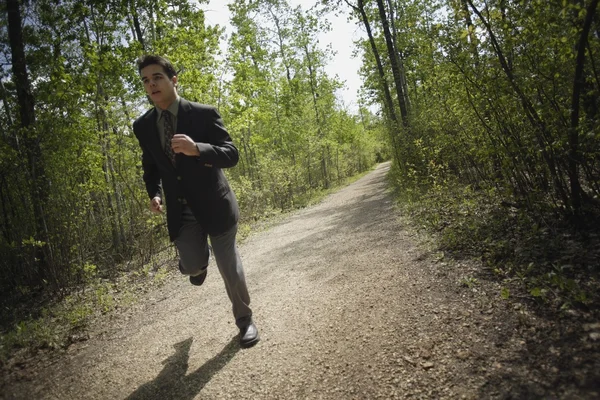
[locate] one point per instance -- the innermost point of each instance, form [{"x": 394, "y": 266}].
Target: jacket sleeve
[
  {"x": 219, "y": 152},
  {"x": 151, "y": 175}
]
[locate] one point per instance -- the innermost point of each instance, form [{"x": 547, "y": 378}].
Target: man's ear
[{"x": 174, "y": 80}]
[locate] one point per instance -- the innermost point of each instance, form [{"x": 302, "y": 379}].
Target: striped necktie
[{"x": 169, "y": 132}]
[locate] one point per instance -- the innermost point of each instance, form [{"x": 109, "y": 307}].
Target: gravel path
[{"x": 349, "y": 306}]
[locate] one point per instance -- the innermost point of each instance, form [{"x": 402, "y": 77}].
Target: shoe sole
[
  {"x": 201, "y": 278},
  {"x": 250, "y": 343}
]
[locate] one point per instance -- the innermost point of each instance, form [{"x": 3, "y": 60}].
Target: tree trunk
[
  {"x": 284, "y": 59},
  {"x": 9, "y": 139},
  {"x": 578, "y": 84},
  {"x": 39, "y": 189},
  {"x": 398, "y": 55},
  {"x": 137, "y": 26},
  {"x": 394, "y": 62},
  {"x": 470, "y": 28},
  {"x": 388, "y": 103},
  {"x": 319, "y": 120},
  {"x": 7, "y": 226},
  {"x": 111, "y": 210}
]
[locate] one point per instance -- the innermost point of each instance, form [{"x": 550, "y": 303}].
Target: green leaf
[
  {"x": 536, "y": 292},
  {"x": 505, "y": 293}
]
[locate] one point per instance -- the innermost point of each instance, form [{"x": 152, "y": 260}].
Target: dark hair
[{"x": 150, "y": 59}]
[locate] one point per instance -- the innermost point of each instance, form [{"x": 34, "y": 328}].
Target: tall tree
[
  {"x": 396, "y": 72},
  {"x": 578, "y": 85},
  {"x": 29, "y": 146},
  {"x": 389, "y": 108}
]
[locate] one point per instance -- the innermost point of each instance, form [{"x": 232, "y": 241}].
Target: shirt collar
[{"x": 173, "y": 108}]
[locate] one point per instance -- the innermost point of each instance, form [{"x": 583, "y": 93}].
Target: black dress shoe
[
  {"x": 249, "y": 335},
  {"x": 198, "y": 280}
]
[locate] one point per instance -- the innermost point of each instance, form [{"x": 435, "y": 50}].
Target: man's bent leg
[
  {"x": 192, "y": 245},
  {"x": 230, "y": 267}
]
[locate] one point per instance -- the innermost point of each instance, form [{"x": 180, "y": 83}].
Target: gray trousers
[{"x": 194, "y": 255}]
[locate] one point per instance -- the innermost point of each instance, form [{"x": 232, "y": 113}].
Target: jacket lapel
[
  {"x": 183, "y": 117},
  {"x": 151, "y": 129}
]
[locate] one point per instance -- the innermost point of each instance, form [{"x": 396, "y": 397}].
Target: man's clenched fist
[{"x": 156, "y": 205}]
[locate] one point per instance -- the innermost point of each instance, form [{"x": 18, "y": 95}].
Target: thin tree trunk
[
  {"x": 137, "y": 26},
  {"x": 104, "y": 129},
  {"x": 543, "y": 137},
  {"x": 388, "y": 103},
  {"x": 394, "y": 62},
  {"x": 284, "y": 59},
  {"x": 12, "y": 140},
  {"x": 118, "y": 194},
  {"x": 470, "y": 28},
  {"x": 313, "y": 90},
  {"x": 382, "y": 80},
  {"x": 39, "y": 189},
  {"x": 7, "y": 226},
  {"x": 398, "y": 55},
  {"x": 578, "y": 84}
]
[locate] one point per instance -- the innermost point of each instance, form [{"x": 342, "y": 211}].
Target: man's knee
[
  {"x": 192, "y": 264},
  {"x": 193, "y": 257}
]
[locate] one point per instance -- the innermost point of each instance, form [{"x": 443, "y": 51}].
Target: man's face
[{"x": 158, "y": 86}]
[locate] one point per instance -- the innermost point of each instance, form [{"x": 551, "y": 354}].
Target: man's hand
[
  {"x": 156, "y": 205},
  {"x": 184, "y": 144}
]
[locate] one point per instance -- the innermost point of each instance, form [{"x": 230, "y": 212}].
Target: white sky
[{"x": 341, "y": 38}]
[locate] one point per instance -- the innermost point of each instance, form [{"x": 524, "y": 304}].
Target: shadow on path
[{"x": 173, "y": 383}]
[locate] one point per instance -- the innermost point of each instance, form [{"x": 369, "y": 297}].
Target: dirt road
[{"x": 348, "y": 307}]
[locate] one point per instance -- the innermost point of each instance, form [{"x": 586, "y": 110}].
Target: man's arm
[
  {"x": 151, "y": 175},
  {"x": 220, "y": 152}
]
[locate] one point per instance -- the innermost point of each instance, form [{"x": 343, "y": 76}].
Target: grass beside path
[{"x": 540, "y": 256}]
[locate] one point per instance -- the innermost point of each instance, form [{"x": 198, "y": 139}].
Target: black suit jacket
[{"x": 196, "y": 181}]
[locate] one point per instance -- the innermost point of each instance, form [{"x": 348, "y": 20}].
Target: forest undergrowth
[{"x": 542, "y": 256}]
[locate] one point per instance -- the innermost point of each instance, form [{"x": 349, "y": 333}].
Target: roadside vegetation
[
  {"x": 541, "y": 258},
  {"x": 499, "y": 152}
]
